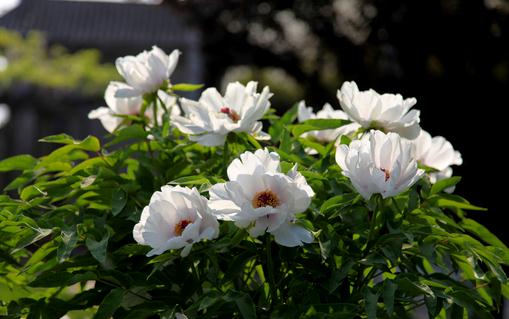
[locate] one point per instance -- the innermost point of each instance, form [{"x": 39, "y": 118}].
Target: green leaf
[
  {"x": 52, "y": 279},
  {"x": 286, "y": 141},
  {"x": 58, "y": 139},
  {"x": 244, "y": 303},
  {"x": 389, "y": 291},
  {"x": 21, "y": 180},
  {"x": 98, "y": 248},
  {"x": 90, "y": 143},
  {"x": 81, "y": 277},
  {"x": 277, "y": 128},
  {"x": 187, "y": 87},
  {"x": 450, "y": 203},
  {"x": 190, "y": 180},
  {"x": 131, "y": 132},
  {"x": 246, "y": 307},
  {"x": 290, "y": 115},
  {"x": 444, "y": 184},
  {"x": 237, "y": 264},
  {"x": 337, "y": 276},
  {"x": 493, "y": 261},
  {"x": 455, "y": 312},
  {"x": 371, "y": 304},
  {"x": 336, "y": 201},
  {"x": 317, "y": 124},
  {"x": 308, "y": 143},
  {"x": 110, "y": 304},
  {"x": 31, "y": 191},
  {"x": 17, "y": 163},
  {"x": 208, "y": 301},
  {"x": 414, "y": 287},
  {"x": 86, "y": 164},
  {"x": 118, "y": 201},
  {"x": 250, "y": 139},
  {"x": 482, "y": 232}
]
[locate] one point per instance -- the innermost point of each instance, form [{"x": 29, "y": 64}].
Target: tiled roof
[{"x": 99, "y": 24}]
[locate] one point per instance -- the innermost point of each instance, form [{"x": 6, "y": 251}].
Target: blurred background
[{"x": 56, "y": 58}]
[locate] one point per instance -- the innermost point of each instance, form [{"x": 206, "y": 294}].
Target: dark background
[{"x": 452, "y": 55}]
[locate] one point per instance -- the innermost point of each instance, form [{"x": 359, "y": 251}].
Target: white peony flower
[
  {"x": 386, "y": 112},
  {"x": 261, "y": 198},
  {"x": 146, "y": 72},
  {"x": 379, "y": 163},
  {"x": 212, "y": 117},
  {"x": 129, "y": 106},
  {"x": 176, "y": 217},
  {"x": 5, "y": 114},
  {"x": 436, "y": 153},
  {"x": 327, "y": 112}
]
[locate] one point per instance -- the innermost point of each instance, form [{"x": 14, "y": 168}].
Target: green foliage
[
  {"x": 31, "y": 61},
  {"x": 66, "y": 238}
]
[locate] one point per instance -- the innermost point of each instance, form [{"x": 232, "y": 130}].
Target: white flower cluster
[
  {"x": 387, "y": 146},
  {"x": 384, "y": 159},
  {"x": 148, "y": 72},
  {"x": 258, "y": 197}
]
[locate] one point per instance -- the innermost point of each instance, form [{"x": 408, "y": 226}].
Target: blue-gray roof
[{"x": 102, "y": 25}]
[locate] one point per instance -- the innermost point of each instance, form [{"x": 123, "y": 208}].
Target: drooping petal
[
  {"x": 292, "y": 235},
  {"x": 107, "y": 118},
  {"x": 437, "y": 153},
  {"x": 208, "y": 139}
]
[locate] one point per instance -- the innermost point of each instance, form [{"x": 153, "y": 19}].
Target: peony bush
[{"x": 219, "y": 208}]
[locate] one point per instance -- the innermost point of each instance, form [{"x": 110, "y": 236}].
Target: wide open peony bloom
[
  {"x": 379, "y": 163},
  {"x": 386, "y": 112},
  {"x": 212, "y": 117},
  {"x": 129, "y": 106},
  {"x": 176, "y": 217},
  {"x": 436, "y": 153},
  {"x": 261, "y": 198},
  {"x": 146, "y": 72},
  {"x": 327, "y": 112}
]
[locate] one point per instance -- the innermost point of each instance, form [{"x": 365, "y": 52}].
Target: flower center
[
  {"x": 234, "y": 116},
  {"x": 387, "y": 173},
  {"x": 179, "y": 228},
  {"x": 265, "y": 198}
]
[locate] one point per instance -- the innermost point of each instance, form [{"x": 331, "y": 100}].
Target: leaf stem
[
  {"x": 373, "y": 222},
  {"x": 270, "y": 270}
]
